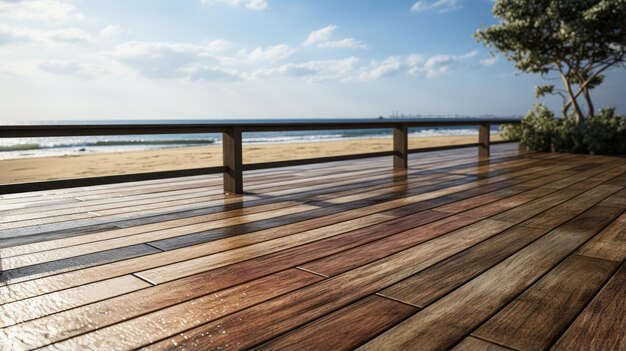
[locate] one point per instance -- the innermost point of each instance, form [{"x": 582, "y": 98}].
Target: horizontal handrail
[
  {"x": 233, "y": 166},
  {"x": 59, "y": 130}
]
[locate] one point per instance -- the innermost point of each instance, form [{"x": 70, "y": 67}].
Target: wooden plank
[
  {"x": 154, "y": 326},
  {"x": 116, "y": 232},
  {"x": 474, "y": 344},
  {"x": 350, "y": 259},
  {"x": 4, "y": 227},
  {"x": 65, "y": 281},
  {"x": 367, "y": 206},
  {"x": 31, "y": 231},
  {"x": 618, "y": 199},
  {"x": 609, "y": 243},
  {"x": 137, "y": 239},
  {"x": 38, "y": 238},
  {"x": 45, "y": 285},
  {"x": 37, "y": 271},
  {"x": 526, "y": 211},
  {"x": 219, "y": 279},
  {"x": 26, "y": 289},
  {"x": 571, "y": 208},
  {"x": 431, "y": 284},
  {"x": 480, "y": 200},
  {"x": 458, "y": 313},
  {"x": 200, "y": 264},
  {"x": 340, "y": 175},
  {"x": 344, "y": 329},
  {"x": 536, "y": 318},
  {"x": 26, "y": 206},
  {"x": 347, "y": 260},
  {"x": 601, "y": 324},
  {"x": 40, "y": 306},
  {"x": 281, "y": 260},
  {"x": 171, "y": 220},
  {"x": 263, "y": 322},
  {"x": 92, "y": 205}
]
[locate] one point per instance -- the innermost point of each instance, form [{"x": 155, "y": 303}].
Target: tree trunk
[
  {"x": 589, "y": 102},
  {"x": 565, "y": 109},
  {"x": 579, "y": 113}
]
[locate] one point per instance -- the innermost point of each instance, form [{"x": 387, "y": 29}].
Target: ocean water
[{"x": 57, "y": 146}]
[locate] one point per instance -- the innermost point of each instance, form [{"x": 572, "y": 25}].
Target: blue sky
[{"x": 109, "y": 59}]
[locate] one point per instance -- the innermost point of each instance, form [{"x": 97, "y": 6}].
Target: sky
[{"x": 223, "y": 59}]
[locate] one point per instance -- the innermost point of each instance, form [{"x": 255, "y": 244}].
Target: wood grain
[
  {"x": 474, "y": 344},
  {"x": 537, "y": 317},
  {"x": 347, "y": 260},
  {"x": 609, "y": 243},
  {"x": 478, "y": 243},
  {"x": 602, "y": 323},
  {"x": 432, "y": 283},
  {"x": 458, "y": 313},
  {"x": 262, "y": 322},
  {"x": 59, "y": 301},
  {"x": 350, "y": 326},
  {"x": 168, "y": 321}
]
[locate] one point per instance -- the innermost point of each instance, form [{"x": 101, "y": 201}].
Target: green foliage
[
  {"x": 540, "y": 130},
  {"x": 511, "y": 131},
  {"x": 604, "y": 132},
  {"x": 578, "y": 39},
  {"x": 536, "y": 34},
  {"x": 542, "y": 90}
]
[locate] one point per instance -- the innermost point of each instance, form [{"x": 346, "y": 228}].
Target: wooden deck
[{"x": 519, "y": 251}]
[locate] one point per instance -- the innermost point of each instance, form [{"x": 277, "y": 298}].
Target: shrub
[{"x": 540, "y": 130}]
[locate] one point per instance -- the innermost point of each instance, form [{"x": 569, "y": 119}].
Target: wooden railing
[{"x": 233, "y": 166}]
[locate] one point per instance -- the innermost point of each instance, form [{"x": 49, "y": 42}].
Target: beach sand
[{"x": 100, "y": 164}]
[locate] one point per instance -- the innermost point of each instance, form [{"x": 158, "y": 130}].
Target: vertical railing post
[
  {"x": 401, "y": 146},
  {"x": 483, "y": 140},
  {"x": 233, "y": 170}
]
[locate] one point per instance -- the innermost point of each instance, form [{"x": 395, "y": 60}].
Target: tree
[{"x": 578, "y": 39}]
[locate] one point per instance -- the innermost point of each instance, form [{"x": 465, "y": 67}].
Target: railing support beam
[
  {"x": 233, "y": 169},
  {"x": 401, "y": 146},
  {"x": 483, "y": 140}
]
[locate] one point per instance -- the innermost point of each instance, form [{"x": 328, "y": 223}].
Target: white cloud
[
  {"x": 212, "y": 73},
  {"x": 312, "y": 71},
  {"x": 380, "y": 69},
  {"x": 168, "y": 60},
  {"x": 69, "y": 68},
  {"x": 13, "y": 35},
  {"x": 414, "y": 64},
  {"x": 489, "y": 61},
  {"x": 69, "y": 35},
  {"x": 436, "y": 5},
  {"x": 20, "y": 35},
  {"x": 324, "y": 38},
  {"x": 270, "y": 53},
  {"x": 143, "y": 49},
  {"x": 112, "y": 30},
  {"x": 257, "y": 5},
  {"x": 438, "y": 64},
  {"x": 49, "y": 11}
]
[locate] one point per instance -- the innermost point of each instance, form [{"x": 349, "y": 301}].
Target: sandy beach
[{"x": 99, "y": 164}]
